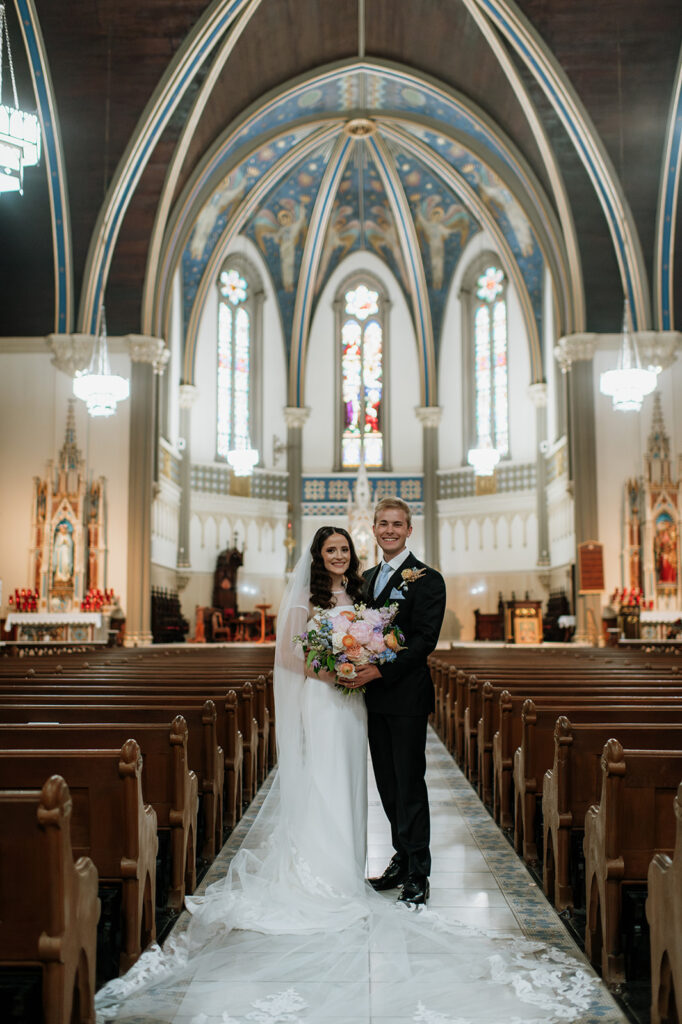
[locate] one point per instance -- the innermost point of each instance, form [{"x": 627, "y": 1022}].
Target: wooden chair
[{"x": 221, "y": 630}]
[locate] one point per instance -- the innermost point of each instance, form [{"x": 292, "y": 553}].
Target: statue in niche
[
  {"x": 665, "y": 550},
  {"x": 62, "y": 553}
]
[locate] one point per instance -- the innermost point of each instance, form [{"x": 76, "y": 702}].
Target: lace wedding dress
[{"x": 294, "y": 935}]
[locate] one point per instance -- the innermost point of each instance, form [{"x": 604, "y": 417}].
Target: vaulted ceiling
[{"x": 399, "y": 127}]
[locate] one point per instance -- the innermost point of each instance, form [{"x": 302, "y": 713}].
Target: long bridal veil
[{"x": 293, "y": 934}]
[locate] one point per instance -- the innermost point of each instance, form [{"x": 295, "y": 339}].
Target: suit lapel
[{"x": 371, "y": 579}]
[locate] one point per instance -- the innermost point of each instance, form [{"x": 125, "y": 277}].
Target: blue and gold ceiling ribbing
[{"x": 426, "y": 175}]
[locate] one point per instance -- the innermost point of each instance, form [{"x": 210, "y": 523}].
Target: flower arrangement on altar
[{"x": 339, "y": 641}]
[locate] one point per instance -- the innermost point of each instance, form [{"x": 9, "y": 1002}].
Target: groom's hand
[{"x": 366, "y": 674}]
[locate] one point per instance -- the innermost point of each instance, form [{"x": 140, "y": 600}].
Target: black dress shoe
[
  {"x": 415, "y": 891},
  {"x": 394, "y": 875}
]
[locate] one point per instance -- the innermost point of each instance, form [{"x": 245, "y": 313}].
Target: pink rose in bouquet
[{"x": 361, "y": 631}]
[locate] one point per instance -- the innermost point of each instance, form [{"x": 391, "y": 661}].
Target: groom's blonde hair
[{"x": 385, "y": 503}]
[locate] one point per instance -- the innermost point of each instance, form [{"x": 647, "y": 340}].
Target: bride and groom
[
  {"x": 291, "y": 931},
  {"x": 399, "y": 694}
]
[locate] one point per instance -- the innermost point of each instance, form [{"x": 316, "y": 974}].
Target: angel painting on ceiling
[
  {"x": 285, "y": 229},
  {"x": 435, "y": 223},
  {"x": 222, "y": 199}
]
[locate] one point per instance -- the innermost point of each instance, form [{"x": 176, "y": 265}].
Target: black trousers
[{"x": 397, "y": 744}]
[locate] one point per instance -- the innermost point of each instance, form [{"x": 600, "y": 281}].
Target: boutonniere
[{"x": 409, "y": 576}]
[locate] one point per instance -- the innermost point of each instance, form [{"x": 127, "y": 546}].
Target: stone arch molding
[{"x": 314, "y": 135}]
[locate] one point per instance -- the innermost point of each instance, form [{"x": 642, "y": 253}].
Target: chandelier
[
  {"x": 629, "y": 383},
  {"x": 19, "y": 131},
  {"x": 97, "y": 386},
  {"x": 483, "y": 459},
  {"x": 242, "y": 460}
]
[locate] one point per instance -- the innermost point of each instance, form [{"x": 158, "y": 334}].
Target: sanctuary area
[{"x": 264, "y": 264}]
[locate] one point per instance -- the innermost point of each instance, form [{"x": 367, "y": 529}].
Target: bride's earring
[{"x": 344, "y": 582}]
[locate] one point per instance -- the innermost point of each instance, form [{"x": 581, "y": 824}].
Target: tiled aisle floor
[{"x": 476, "y": 876}]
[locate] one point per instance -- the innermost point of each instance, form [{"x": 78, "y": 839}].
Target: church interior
[{"x": 267, "y": 262}]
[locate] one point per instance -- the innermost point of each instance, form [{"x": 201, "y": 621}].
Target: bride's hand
[{"x": 326, "y": 677}]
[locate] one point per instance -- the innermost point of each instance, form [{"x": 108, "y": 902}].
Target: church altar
[{"x": 66, "y": 627}]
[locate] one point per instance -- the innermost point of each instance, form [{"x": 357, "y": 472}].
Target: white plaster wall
[
  {"x": 403, "y": 375},
  {"x": 273, "y": 370},
  {"x": 32, "y": 422},
  {"x": 621, "y": 446}
]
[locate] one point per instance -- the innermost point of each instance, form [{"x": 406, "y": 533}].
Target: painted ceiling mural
[{"x": 436, "y": 163}]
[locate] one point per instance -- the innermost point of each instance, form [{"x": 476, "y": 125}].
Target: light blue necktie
[{"x": 382, "y": 578}]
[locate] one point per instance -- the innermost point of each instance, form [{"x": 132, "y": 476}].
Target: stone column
[
  {"x": 188, "y": 396},
  {"x": 538, "y": 396},
  {"x": 295, "y": 417},
  {"x": 575, "y": 355},
  {"x": 148, "y": 359},
  {"x": 429, "y": 416}
]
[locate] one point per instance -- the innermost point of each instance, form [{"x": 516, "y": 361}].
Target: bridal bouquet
[{"x": 340, "y": 641}]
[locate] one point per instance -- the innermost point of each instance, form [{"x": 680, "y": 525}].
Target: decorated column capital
[
  {"x": 296, "y": 415},
  {"x": 146, "y": 349},
  {"x": 429, "y": 415},
  {"x": 70, "y": 352},
  {"x": 658, "y": 348},
  {"x": 188, "y": 394},
  {"x": 538, "y": 394},
  {"x": 574, "y": 348}
]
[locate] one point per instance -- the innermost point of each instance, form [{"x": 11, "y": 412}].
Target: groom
[{"x": 401, "y": 697}]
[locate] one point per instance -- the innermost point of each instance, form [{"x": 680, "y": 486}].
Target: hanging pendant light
[
  {"x": 19, "y": 130},
  {"x": 242, "y": 460},
  {"x": 97, "y": 386},
  {"x": 483, "y": 459},
  {"x": 629, "y": 383}
]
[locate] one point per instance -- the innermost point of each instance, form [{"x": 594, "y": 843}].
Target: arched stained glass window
[
  {"x": 362, "y": 377},
  {"x": 491, "y": 401},
  {"x": 234, "y": 362}
]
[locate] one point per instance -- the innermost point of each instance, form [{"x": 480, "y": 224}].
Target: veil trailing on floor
[{"x": 293, "y": 935}]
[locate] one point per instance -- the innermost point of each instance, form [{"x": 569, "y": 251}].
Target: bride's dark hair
[{"x": 320, "y": 580}]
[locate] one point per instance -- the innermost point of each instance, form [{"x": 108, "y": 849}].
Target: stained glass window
[
  {"x": 362, "y": 385},
  {"x": 491, "y": 403},
  {"x": 234, "y": 363}
]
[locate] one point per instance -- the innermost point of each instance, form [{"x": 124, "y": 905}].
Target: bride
[{"x": 293, "y": 933}]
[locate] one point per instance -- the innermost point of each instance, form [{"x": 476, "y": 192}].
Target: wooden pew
[
  {"x": 227, "y": 710},
  {"x": 573, "y": 784},
  {"x": 664, "y": 914},
  {"x": 205, "y": 755},
  {"x": 110, "y": 823},
  {"x": 513, "y": 732},
  {"x": 633, "y": 822},
  {"x": 532, "y": 759},
  {"x": 48, "y": 904},
  {"x": 169, "y": 786},
  {"x": 111, "y": 687}
]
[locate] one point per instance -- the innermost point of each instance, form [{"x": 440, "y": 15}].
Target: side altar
[
  {"x": 67, "y": 600},
  {"x": 68, "y": 530},
  {"x": 651, "y": 599}
]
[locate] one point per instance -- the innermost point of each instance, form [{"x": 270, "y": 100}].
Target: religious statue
[
  {"x": 665, "y": 550},
  {"x": 62, "y": 553}
]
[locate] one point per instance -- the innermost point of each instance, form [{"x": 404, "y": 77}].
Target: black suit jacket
[{"x": 405, "y": 687}]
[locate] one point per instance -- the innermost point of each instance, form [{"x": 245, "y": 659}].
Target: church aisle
[{"x": 476, "y": 879}]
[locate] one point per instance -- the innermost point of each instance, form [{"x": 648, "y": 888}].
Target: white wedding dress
[{"x": 294, "y": 935}]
